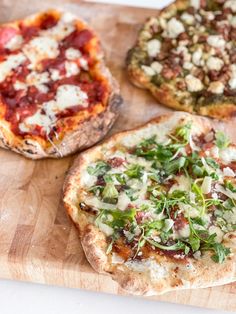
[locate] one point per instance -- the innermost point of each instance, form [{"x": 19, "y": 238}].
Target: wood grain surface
[{"x": 37, "y": 240}]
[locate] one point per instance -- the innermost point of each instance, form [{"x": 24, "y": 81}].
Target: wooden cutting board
[{"x": 37, "y": 240}]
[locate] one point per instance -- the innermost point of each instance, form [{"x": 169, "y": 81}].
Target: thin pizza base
[
  {"x": 166, "y": 93},
  {"x": 149, "y": 280},
  {"x": 88, "y": 127}
]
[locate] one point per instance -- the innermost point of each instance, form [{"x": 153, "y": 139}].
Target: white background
[{"x": 27, "y": 298}]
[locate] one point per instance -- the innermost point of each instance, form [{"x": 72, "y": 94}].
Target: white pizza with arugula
[{"x": 156, "y": 206}]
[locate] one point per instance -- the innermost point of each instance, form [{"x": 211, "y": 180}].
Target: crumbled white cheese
[
  {"x": 157, "y": 67},
  {"x": 187, "y": 65},
  {"x": 187, "y": 18},
  {"x": 18, "y": 85},
  {"x": 148, "y": 70},
  {"x": 228, "y": 154},
  {"x": 70, "y": 95},
  {"x": 195, "y": 4},
  {"x": 184, "y": 232},
  {"x": 216, "y": 87},
  {"x": 232, "y": 21},
  {"x": 193, "y": 83},
  {"x": 71, "y": 68},
  {"x": 55, "y": 74},
  {"x": 231, "y": 4},
  {"x": 214, "y": 63},
  {"x": 37, "y": 119},
  {"x": 206, "y": 185},
  {"x": 174, "y": 28},
  {"x": 84, "y": 64},
  {"x": 197, "y": 57},
  {"x": 153, "y": 47},
  {"x": 216, "y": 41},
  {"x": 14, "y": 43},
  {"x": 66, "y": 96},
  {"x": 11, "y": 63},
  {"x": 72, "y": 54},
  {"x": 232, "y": 83},
  {"x": 40, "y": 48},
  {"x": 219, "y": 233},
  {"x": 228, "y": 172},
  {"x": 36, "y": 78}
]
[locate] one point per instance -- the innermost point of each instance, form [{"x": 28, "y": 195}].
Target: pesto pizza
[
  {"x": 56, "y": 94},
  {"x": 185, "y": 56},
  {"x": 156, "y": 206}
]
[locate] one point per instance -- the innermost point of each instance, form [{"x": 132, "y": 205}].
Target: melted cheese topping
[
  {"x": 11, "y": 63},
  {"x": 66, "y": 96},
  {"x": 41, "y": 48}
]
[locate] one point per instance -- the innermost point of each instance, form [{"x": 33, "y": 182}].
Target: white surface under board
[{"x": 28, "y": 298}]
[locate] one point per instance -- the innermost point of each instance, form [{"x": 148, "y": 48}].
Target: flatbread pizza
[
  {"x": 185, "y": 56},
  {"x": 156, "y": 206},
  {"x": 56, "y": 94}
]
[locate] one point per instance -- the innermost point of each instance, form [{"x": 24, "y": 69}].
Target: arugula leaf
[
  {"x": 99, "y": 169},
  {"x": 175, "y": 247},
  {"x": 212, "y": 163},
  {"x": 96, "y": 189},
  {"x": 221, "y": 252},
  {"x": 134, "y": 171},
  {"x": 110, "y": 193},
  {"x": 175, "y": 165},
  {"x": 119, "y": 218},
  {"x": 198, "y": 171},
  {"x": 194, "y": 242},
  {"x": 228, "y": 184},
  {"x": 158, "y": 152},
  {"x": 156, "y": 225},
  {"x": 184, "y": 132},
  {"x": 221, "y": 140}
]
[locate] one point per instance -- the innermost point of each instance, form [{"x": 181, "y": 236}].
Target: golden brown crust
[
  {"x": 177, "y": 275},
  {"x": 166, "y": 93},
  {"x": 87, "y": 129}
]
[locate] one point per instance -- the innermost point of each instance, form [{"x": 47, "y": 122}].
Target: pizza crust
[
  {"x": 161, "y": 274},
  {"x": 85, "y": 133},
  {"x": 167, "y": 94}
]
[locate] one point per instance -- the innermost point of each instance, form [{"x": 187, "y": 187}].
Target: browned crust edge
[{"x": 206, "y": 273}]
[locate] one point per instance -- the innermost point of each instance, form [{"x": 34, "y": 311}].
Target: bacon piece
[
  {"x": 28, "y": 31},
  {"x": 6, "y": 34},
  {"x": 78, "y": 39},
  {"x": 180, "y": 222},
  {"x": 48, "y": 21},
  {"x": 115, "y": 162}
]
